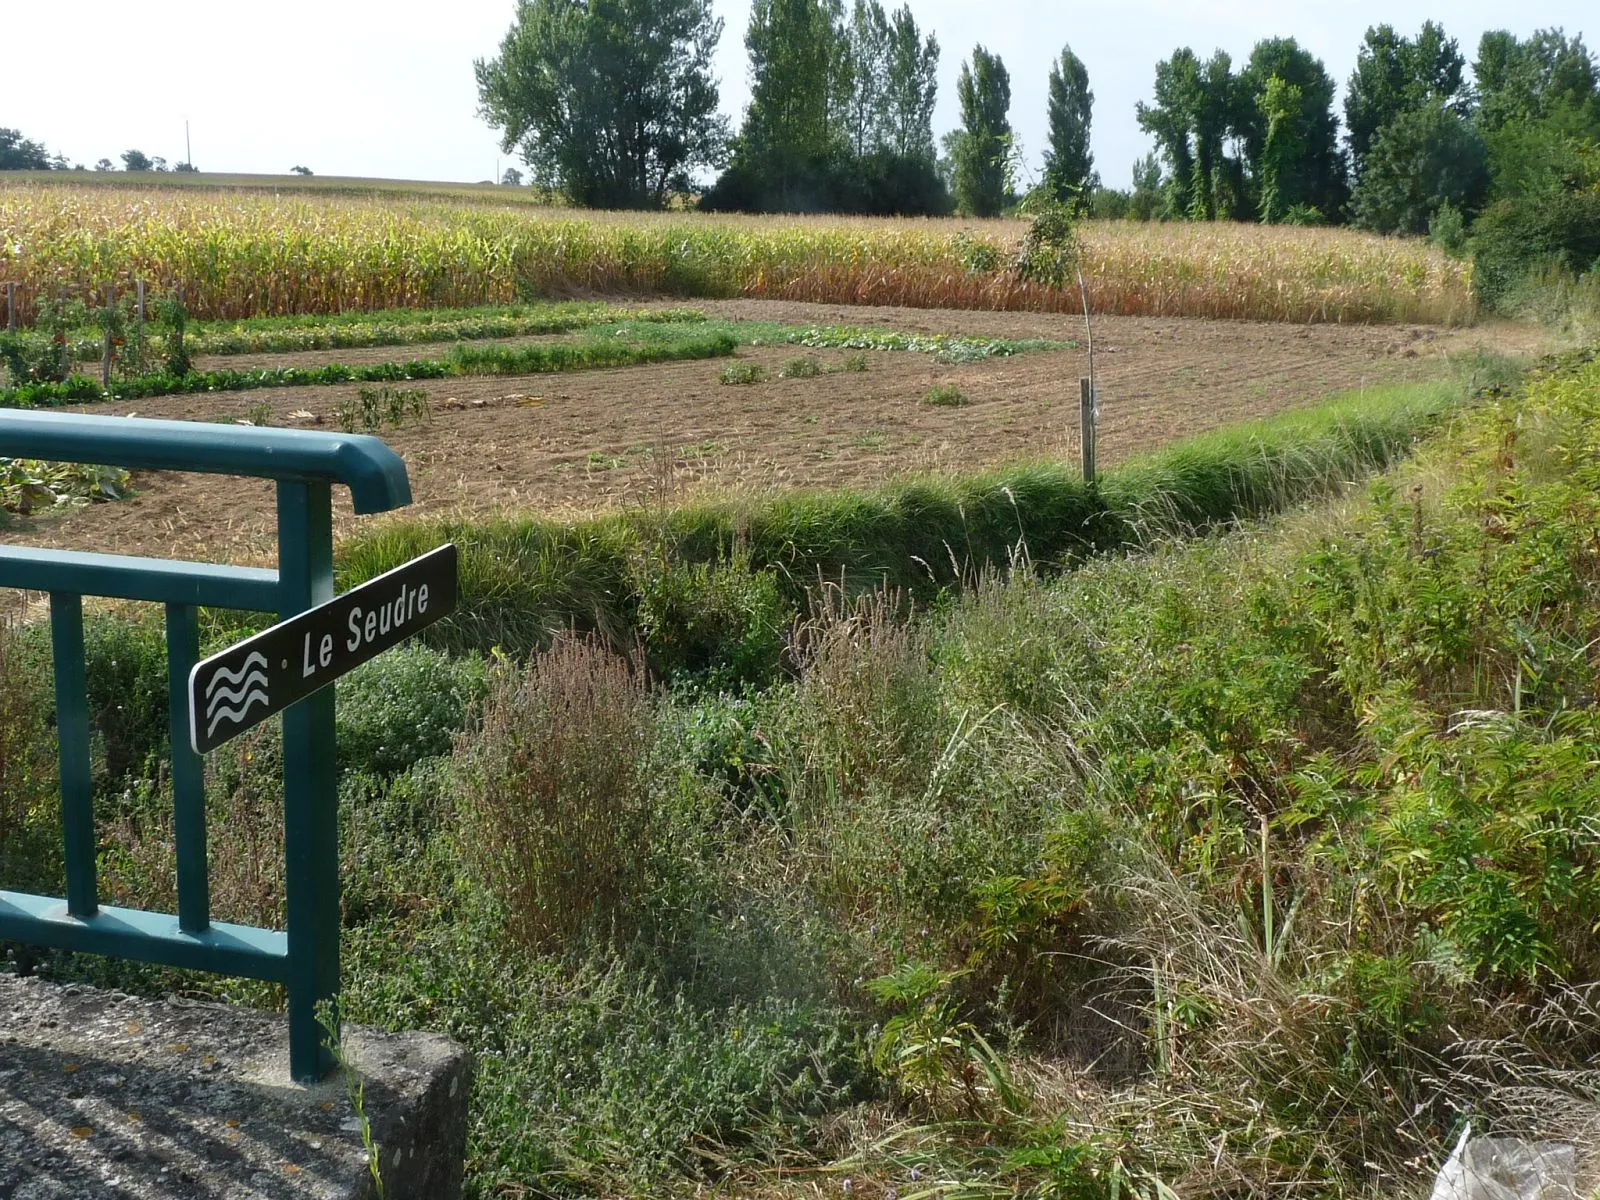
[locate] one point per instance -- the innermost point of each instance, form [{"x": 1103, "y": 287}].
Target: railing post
[
  {"x": 72, "y": 734},
  {"x": 188, "y": 777},
  {"x": 310, "y": 794}
]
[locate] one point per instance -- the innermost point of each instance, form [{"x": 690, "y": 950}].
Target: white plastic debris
[{"x": 1493, "y": 1168}]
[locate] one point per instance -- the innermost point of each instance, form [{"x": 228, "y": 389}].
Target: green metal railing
[{"x": 306, "y": 464}]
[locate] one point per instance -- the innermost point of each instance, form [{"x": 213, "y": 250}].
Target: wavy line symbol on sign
[{"x": 247, "y": 687}]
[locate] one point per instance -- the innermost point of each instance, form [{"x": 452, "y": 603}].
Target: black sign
[{"x": 264, "y": 674}]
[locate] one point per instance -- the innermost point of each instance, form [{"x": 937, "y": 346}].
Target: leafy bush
[
  {"x": 726, "y": 740},
  {"x": 553, "y": 785},
  {"x": 879, "y": 183},
  {"x": 978, "y": 255},
  {"x": 405, "y": 706},
  {"x": 1447, "y": 229},
  {"x": 125, "y": 664},
  {"x": 1425, "y": 158},
  {"x": 27, "y": 484},
  {"x": 724, "y": 623},
  {"x": 30, "y": 357},
  {"x": 1516, "y": 238},
  {"x": 1050, "y": 249},
  {"x": 396, "y": 855},
  {"x": 801, "y": 368},
  {"x": 173, "y": 318}
]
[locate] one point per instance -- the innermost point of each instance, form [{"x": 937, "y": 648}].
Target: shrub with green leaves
[
  {"x": 1518, "y": 238},
  {"x": 723, "y": 623},
  {"x": 405, "y": 706},
  {"x": 125, "y": 664},
  {"x": 28, "y": 485}
]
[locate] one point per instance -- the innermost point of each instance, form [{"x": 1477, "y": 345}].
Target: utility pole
[{"x": 188, "y": 151}]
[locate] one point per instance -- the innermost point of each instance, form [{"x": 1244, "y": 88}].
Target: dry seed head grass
[
  {"x": 1272, "y": 1042},
  {"x": 554, "y": 790},
  {"x": 868, "y": 683}
]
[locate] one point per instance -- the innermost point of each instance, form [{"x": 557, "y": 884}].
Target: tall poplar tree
[
  {"x": 980, "y": 146},
  {"x": 911, "y": 87},
  {"x": 1290, "y": 133},
  {"x": 794, "y": 63},
  {"x": 865, "y": 75},
  {"x": 1068, "y": 163}
]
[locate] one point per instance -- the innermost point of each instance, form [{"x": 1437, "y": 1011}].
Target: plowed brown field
[{"x": 565, "y": 444}]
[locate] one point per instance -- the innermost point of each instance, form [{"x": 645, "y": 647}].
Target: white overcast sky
[{"x": 385, "y": 87}]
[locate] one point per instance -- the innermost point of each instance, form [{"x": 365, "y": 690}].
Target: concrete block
[{"x": 104, "y": 1096}]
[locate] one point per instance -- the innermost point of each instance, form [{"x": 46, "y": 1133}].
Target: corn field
[{"x": 237, "y": 255}]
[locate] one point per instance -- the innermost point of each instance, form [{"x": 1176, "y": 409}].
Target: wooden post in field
[
  {"x": 138, "y": 328},
  {"x": 1086, "y": 407},
  {"x": 66, "y": 338},
  {"x": 108, "y": 348},
  {"x": 11, "y": 308}
]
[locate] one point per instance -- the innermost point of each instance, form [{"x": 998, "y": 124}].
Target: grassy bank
[{"x": 525, "y": 579}]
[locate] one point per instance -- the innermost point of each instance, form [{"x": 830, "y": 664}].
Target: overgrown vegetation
[
  {"x": 1246, "y": 862},
  {"x": 610, "y": 349},
  {"x": 945, "y": 395}
]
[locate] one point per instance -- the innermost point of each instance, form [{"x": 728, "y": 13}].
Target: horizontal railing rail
[{"x": 375, "y": 474}]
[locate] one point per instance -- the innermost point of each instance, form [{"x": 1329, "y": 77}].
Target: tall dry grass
[
  {"x": 246, "y": 255},
  {"x": 553, "y": 786}
]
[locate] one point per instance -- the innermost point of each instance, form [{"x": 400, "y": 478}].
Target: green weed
[
  {"x": 945, "y": 395},
  {"x": 742, "y": 373}
]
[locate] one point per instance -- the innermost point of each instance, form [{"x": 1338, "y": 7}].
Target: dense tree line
[{"x": 1422, "y": 140}]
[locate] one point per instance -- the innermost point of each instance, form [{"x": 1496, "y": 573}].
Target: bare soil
[{"x": 643, "y": 436}]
